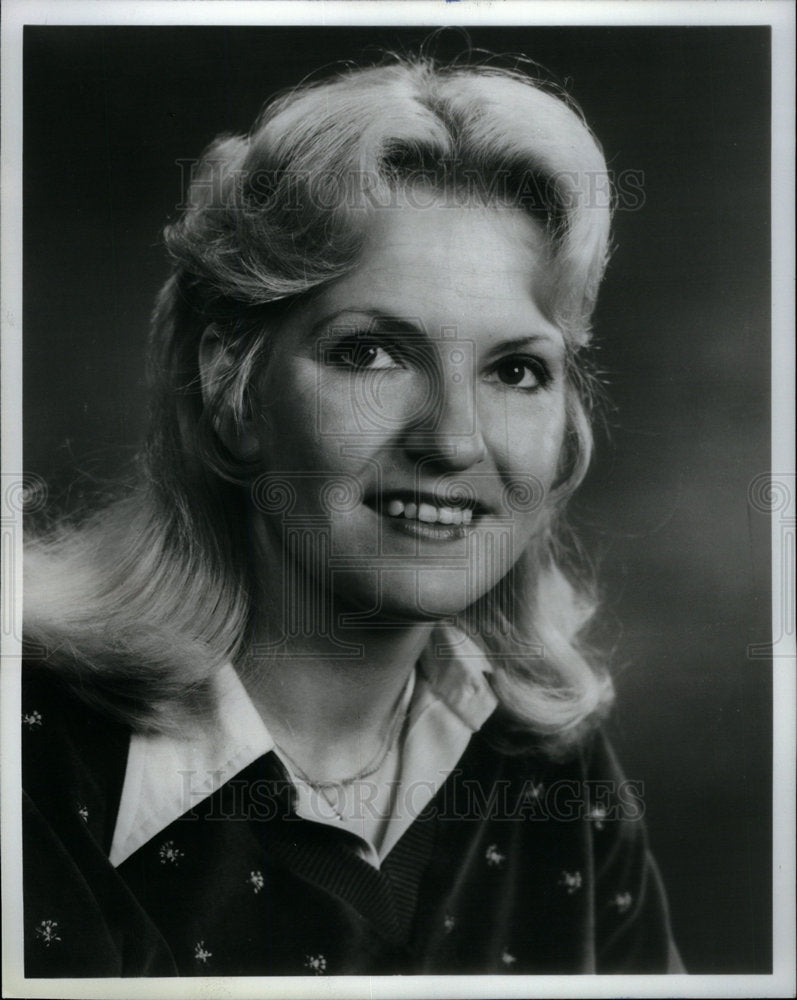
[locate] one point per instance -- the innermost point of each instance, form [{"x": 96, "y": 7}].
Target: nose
[{"x": 447, "y": 433}]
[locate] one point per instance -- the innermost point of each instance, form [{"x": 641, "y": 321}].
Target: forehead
[{"x": 448, "y": 265}]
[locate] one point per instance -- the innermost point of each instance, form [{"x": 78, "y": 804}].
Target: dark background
[{"x": 683, "y": 328}]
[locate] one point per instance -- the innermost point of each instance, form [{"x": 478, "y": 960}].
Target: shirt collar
[
  {"x": 456, "y": 668},
  {"x": 167, "y": 775}
]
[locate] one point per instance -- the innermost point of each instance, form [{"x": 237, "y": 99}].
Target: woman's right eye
[{"x": 361, "y": 353}]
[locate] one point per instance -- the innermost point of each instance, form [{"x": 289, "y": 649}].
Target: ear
[{"x": 215, "y": 364}]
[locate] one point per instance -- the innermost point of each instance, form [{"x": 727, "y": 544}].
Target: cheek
[
  {"x": 527, "y": 458},
  {"x": 290, "y": 439},
  {"x": 527, "y": 436},
  {"x": 365, "y": 408},
  {"x": 305, "y": 412},
  {"x": 318, "y": 424}
]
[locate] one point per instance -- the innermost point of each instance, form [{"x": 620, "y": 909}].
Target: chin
[{"x": 410, "y": 595}]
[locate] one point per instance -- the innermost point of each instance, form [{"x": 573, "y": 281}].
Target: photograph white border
[{"x": 777, "y": 13}]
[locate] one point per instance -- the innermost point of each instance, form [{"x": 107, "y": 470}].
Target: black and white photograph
[{"x": 398, "y": 499}]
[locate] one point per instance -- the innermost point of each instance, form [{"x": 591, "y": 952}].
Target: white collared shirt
[{"x": 447, "y": 700}]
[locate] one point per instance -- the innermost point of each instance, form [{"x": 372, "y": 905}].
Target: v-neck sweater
[{"x": 517, "y": 864}]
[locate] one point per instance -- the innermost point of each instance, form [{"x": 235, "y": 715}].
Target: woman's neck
[{"x": 329, "y": 699}]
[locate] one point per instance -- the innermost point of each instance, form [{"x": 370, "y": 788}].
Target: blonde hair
[{"x": 145, "y": 599}]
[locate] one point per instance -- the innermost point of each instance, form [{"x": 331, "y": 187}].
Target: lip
[
  {"x": 428, "y": 532},
  {"x": 433, "y": 531},
  {"x": 454, "y": 498}
]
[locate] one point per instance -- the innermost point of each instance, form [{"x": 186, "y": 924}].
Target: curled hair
[{"x": 149, "y": 596}]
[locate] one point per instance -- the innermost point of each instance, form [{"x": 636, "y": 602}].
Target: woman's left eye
[
  {"x": 360, "y": 353},
  {"x": 519, "y": 373}
]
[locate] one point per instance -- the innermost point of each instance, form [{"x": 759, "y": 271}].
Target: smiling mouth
[{"x": 406, "y": 508}]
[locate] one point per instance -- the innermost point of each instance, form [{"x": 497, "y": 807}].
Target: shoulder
[
  {"x": 74, "y": 755},
  {"x": 80, "y": 919},
  {"x": 615, "y": 797},
  {"x": 632, "y": 921},
  {"x": 595, "y": 814}
]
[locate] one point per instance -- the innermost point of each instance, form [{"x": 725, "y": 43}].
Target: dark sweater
[{"x": 518, "y": 865}]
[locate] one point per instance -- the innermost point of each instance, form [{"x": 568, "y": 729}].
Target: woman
[{"x": 310, "y": 698}]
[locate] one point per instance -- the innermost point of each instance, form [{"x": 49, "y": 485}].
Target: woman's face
[{"x": 412, "y": 415}]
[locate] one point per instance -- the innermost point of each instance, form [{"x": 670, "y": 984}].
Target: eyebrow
[
  {"x": 381, "y": 322},
  {"x": 518, "y": 343}
]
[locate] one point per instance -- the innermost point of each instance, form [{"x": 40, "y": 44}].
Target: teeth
[{"x": 429, "y": 513}]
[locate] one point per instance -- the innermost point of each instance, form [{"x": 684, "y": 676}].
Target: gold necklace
[{"x": 370, "y": 768}]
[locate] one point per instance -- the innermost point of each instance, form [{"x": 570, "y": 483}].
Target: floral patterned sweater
[{"x": 518, "y": 865}]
